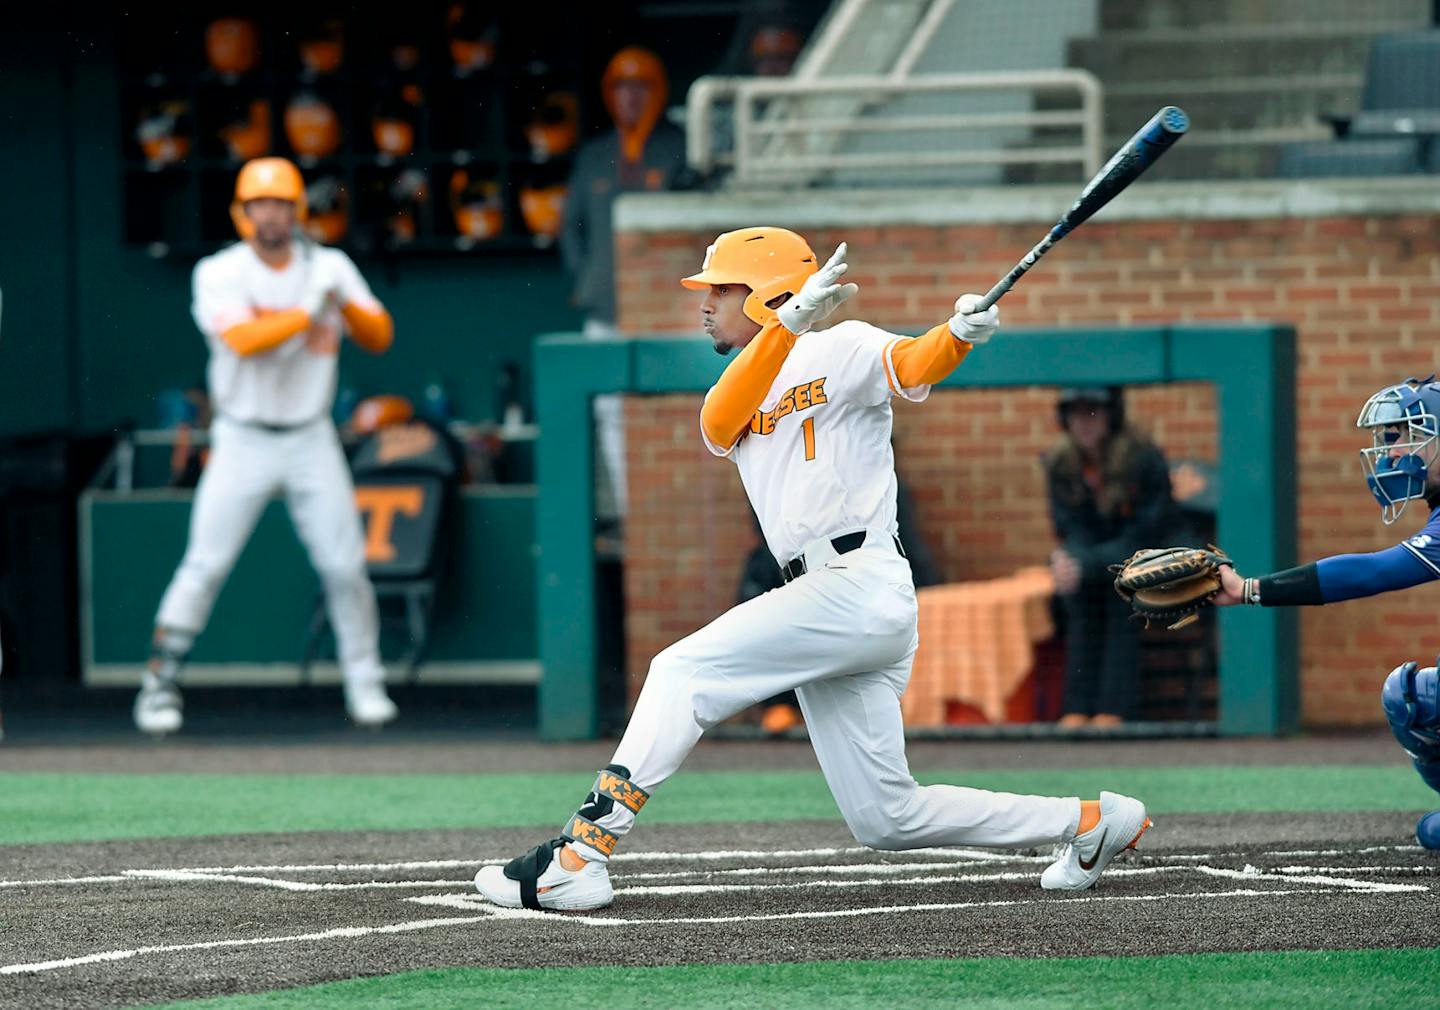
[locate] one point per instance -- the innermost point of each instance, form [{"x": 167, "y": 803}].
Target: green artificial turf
[
  {"x": 38, "y": 807},
  {"x": 1303, "y": 980}
]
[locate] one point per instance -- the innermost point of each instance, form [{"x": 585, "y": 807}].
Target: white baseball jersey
[
  {"x": 295, "y": 382},
  {"x": 817, "y": 461}
]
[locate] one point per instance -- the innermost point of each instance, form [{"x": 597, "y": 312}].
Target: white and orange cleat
[{"x": 1084, "y": 858}]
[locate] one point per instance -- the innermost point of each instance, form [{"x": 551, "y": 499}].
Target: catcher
[{"x": 1172, "y": 584}]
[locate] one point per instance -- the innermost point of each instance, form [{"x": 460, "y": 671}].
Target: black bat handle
[{"x": 1018, "y": 270}]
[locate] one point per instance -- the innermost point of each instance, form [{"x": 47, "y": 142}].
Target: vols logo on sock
[
  {"x": 591, "y": 834},
  {"x": 623, "y": 790}
]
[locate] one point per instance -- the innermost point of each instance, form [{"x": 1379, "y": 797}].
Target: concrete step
[
  {"x": 1267, "y": 104},
  {"x": 1226, "y": 155},
  {"x": 1143, "y": 14},
  {"x": 1204, "y": 56},
  {"x": 1242, "y": 159}
]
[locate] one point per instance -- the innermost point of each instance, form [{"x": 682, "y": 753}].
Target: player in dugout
[
  {"x": 273, "y": 308},
  {"x": 1404, "y": 426},
  {"x": 805, "y": 414}
]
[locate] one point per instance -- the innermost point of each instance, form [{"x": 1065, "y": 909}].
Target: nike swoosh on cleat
[{"x": 1087, "y": 867}]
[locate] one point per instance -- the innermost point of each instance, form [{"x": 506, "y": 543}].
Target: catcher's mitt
[{"x": 1170, "y": 584}]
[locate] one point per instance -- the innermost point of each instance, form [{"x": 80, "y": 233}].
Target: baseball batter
[
  {"x": 805, "y": 415},
  {"x": 1403, "y": 422},
  {"x": 272, "y": 308}
]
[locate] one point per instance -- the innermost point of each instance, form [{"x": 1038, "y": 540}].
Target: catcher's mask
[
  {"x": 1108, "y": 397},
  {"x": 769, "y": 261},
  {"x": 1404, "y": 423}
]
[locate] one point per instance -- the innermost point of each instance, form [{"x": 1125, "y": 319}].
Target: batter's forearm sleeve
[
  {"x": 743, "y": 385},
  {"x": 266, "y": 333},
  {"x": 926, "y": 359},
  {"x": 371, "y": 328}
]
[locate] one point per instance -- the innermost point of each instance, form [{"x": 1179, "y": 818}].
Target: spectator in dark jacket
[
  {"x": 643, "y": 153},
  {"x": 1109, "y": 496}
]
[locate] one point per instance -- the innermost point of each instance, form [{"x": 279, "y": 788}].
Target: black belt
[
  {"x": 842, "y": 544},
  {"x": 274, "y": 429}
]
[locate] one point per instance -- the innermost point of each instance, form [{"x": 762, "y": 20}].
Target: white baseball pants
[
  {"x": 247, "y": 467},
  {"x": 843, "y": 636}
]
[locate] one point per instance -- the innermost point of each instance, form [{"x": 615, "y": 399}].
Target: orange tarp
[{"x": 977, "y": 644}]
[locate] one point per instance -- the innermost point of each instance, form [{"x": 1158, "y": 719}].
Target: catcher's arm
[{"x": 1329, "y": 580}]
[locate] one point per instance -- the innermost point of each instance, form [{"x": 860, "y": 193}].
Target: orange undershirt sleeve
[
  {"x": 372, "y": 329},
  {"x": 266, "y": 333},
  {"x": 743, "y": 385},
  {"x": 926, "y": 359}
]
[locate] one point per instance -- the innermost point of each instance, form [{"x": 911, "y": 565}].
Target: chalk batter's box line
[{"x": 479, "y": 911}]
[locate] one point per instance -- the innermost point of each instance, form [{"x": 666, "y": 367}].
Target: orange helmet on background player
[
  {"x": 273, "y": 178},
  {"x": 769, "y": 261},
  {"x": 376, "y": 412}
]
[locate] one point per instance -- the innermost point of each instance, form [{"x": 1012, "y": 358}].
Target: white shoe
[
  {"x": 158, "y": 706},
  {"x": 1082, "y": 860},
  {"x": 368, "y": 704},
  {"x": 555, "y": 887}
]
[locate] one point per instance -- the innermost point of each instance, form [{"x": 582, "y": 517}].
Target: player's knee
[
  {"x": 879, "y": 832},
  {"x": 666, "y": 669},
  {"x": 710, "y": 700},
  {"x": 342, "y": 577},
  {"x": 1411, "y": 698},
  {"x": 884, "y": 825},
  {"x": 200, "y": 578}
]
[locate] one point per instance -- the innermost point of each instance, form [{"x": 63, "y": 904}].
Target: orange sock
[
  {"x": 570, "y": 859},
  {"x": 1089, "y": 815}
]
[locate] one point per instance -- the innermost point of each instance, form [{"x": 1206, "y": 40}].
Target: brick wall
[{"x": 1363, "y": 293}]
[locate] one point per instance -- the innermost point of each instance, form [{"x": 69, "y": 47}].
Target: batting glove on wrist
[
  {"x": 821, "y": 295},
  {"x": 971, "y": 326}
]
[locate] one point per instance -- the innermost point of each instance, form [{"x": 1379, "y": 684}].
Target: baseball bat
[{"x": 1124, "y": 167}]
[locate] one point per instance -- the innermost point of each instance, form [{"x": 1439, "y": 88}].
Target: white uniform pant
[
  {"x": 247, "y": 466},
  {"x": 843, "y": 636}
]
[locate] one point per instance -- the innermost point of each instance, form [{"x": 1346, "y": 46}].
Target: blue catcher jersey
[{"x": 1425, "y": 545}]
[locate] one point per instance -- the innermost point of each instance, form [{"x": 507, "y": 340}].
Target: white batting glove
[
  {"x": 971, "y": 326},
  {"x": 321, "y": 289},
  {"x": 821, "y": 295}
]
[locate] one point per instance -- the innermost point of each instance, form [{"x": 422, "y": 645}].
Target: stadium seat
[
  {"x": 1403, "y": 72},
  {"x": 1351, "y": 157},
  {"x": 1395, "y": 123},
  {"x": 1398, "y": 121}
]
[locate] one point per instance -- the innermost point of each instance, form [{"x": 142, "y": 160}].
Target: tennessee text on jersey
[{"x": 793, "y": 400}]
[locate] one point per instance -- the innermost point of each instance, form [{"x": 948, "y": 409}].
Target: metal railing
[{"x": 777, "y": 138}]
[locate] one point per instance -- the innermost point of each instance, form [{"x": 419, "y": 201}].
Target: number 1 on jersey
[{"x": 809, "y": 428}]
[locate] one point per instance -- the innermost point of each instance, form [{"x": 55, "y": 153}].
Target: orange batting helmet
[
  {"x": 769, "y": 261},
  {"x": 275, "y": 178}
]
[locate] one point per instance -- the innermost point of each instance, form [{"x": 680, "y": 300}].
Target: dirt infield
[
  {"x": 121, "y": 923},
  {"x": 114, "y": 924}
]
